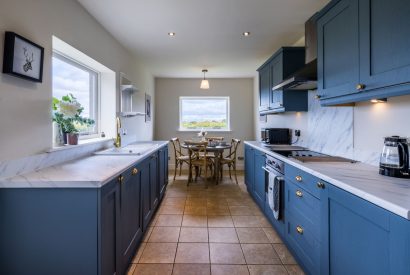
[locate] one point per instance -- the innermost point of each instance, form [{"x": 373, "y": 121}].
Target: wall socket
[
  {"x": 297, "y": 133},
  {"x": 240, "y": 158}
]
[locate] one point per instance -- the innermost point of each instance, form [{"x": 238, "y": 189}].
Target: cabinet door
[
  {"x": 131, "y": 221},
  {"x": 146, "y": 193},
  {"x": 338, "y": 50},
  {"x": 110, "y": 228},
  {"x": 154, "y": 183},
  {"x": 259, "y": 179},
  {"x": 264, "y": 88},
  {"x": 384, "y": 43},
  {"x": 249, "y": 167},
  {"x": 163, "y": 171}
]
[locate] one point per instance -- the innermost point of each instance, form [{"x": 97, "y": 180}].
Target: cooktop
[{"x": 311, "y": 156}]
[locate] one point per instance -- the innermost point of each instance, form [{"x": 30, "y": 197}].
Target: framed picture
[
  {"x": 147, "y": 107},
  {"x": 23, "y": 58}
]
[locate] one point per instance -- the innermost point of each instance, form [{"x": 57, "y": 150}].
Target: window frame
[
  {"x": 95, "y": 95},
  {"x": 228, "y": 115}
]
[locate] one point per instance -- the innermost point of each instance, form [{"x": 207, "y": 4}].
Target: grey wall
[
  {"x": 168, "y": 91},
  {"x": 25, "y": 107}
]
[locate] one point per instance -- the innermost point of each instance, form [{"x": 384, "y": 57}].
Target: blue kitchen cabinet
[
  {"x": 163, "y": 170},
  {"x": 150, "y": 188},
  {"x": 259, "y": 190},
  {"x": 363, "y": 238},
  {"x": 153, "y": 178},
  {"x": 363, "y": 50},
  {"x": 249, "y": 168},
  {"x": 264, "y": 88}
]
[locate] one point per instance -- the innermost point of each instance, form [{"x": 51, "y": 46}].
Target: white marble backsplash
[{"x": 11, "y": 168}]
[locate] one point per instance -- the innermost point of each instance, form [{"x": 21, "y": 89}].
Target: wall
[
  {"x": 240, "y": 91},
  {"x": 25, "y": 116},
  {"x": 352, "y": 132}
]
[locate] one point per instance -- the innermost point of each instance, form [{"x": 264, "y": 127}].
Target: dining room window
[{"x": 208, "y": 113}]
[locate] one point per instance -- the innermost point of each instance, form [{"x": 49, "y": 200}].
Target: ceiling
[{"x": 208, "y": 32}]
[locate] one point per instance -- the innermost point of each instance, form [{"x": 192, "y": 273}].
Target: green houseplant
[{"x": 67, "y": 115}]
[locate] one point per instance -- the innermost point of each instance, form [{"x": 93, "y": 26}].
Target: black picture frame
[
  {"x": 18, "y": 48},
  {"x": 147, "y": 108}
]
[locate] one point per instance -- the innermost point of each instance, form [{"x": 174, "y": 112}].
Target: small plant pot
[{"x": 72, "y": 138}]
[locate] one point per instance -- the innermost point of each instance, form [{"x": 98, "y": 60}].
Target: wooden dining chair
[
  {"x": 198, "y": 159},
  {"x": 230, "y": 159},
  {"x": 180, "y": 158},
  {"x": 214, "y": 138}
]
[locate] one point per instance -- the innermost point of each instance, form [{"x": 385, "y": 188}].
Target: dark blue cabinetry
[
  {"x": 162, "y": 171},
  {"x": 249, "y": 168},
  {"x": 259, "y": 190},
  {"x": 363, "y": 50}
]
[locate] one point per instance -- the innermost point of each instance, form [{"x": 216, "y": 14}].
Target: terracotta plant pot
[{"x": 72, "y": 138}]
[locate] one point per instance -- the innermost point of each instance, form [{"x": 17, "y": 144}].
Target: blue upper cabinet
[
  {"x": 363, "y": 50},
  {"x": 338, "y": 50},
  {"x": 264, "y": 88}
]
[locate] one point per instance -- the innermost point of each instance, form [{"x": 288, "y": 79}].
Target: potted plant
[{"x": 67, "y": 115}]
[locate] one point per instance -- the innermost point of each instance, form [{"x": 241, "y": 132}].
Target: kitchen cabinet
[
  {"x": 363, "y": 52},
  {"x": 259, "y": 190},
  {"x": 249, "y": 168},
  {"x": 363, "y": 238},
  {"x": 163, "y": 171},
  {"x": 281, "y": 65}
]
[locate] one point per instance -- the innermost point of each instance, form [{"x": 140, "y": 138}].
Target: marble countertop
[
  {"x": 360, "y": 179},
  {"x": 89, "y": 172}
]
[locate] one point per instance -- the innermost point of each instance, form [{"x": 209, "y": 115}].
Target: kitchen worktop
[
  {"x": 360, "y": 179},
  {"x": 88, "y": 172}
]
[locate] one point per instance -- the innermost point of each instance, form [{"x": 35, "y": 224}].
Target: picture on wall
[
  {"x": 22, "y": 58},
  {"x": 147, "y": 107}
]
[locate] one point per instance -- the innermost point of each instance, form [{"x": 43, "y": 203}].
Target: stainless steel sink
[{"x": 132, "y": 149}]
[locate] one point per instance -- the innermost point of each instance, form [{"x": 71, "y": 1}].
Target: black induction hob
[{"x": 311, "y": 156}]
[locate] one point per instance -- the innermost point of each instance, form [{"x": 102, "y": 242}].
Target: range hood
[{"x": 305, "y": 78}]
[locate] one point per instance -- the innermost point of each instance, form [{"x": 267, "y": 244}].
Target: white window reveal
[
  {"x": 72, "y": 77},
  {"x": 208, "y": 113}
]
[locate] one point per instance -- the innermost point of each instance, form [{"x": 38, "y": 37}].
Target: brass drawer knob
[
  {"x": 121, "y": 179},
  {"x": 299, "y": 193},
  {"x": 320, "y": 185},
  {"x": 299, "y": 229},
  {"x": 134, "y": 171},
  {"x": 298, "y": 178},
  {"x": 360, "y": 87}
]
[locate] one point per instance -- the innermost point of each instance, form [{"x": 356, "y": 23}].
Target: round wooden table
[{"x": 218, "y": 153}]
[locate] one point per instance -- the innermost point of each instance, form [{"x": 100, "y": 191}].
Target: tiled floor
[{"x": 219, "y": 230}]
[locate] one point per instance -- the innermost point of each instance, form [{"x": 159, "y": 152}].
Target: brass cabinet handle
[
  {"x": 320, "y": 185},
  {"x": 299, "y": 193},
  {"x": 121, "y": 179},
  {"x": 299, "y": 229},
  {"x": 360, "y": 87},
  {"x": 298, "y": 178},
  {"x": 134, "y": 171}
]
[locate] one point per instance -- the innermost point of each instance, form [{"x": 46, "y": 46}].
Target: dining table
[{"x": 218, "y": 151}]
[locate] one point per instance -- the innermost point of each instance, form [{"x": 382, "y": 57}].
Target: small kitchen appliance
[
  {"x": 394, "y": 160},
  {"x": 276, "y": 135}
]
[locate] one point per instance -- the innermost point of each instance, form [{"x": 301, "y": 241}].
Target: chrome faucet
[{"x": 117, "y": 142}]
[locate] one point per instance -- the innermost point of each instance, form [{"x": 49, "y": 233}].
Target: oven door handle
[{"x": 266, "y": 169}]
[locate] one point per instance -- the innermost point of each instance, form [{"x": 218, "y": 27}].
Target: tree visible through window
[{"x": 210, "y": 113}]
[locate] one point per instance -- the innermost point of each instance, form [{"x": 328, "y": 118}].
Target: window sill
[
  {"x": 81, "y": 143},
  {"x": 206, "y": 130}
]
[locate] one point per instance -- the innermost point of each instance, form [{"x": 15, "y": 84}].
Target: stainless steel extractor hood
[{"x": 305, "y": 78}]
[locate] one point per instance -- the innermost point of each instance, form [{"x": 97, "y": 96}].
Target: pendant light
[{"x": 204, "y": 82}]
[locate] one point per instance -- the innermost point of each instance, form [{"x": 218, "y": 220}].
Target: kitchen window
[
  {"x": 72, "y": 77},
  {"x": 208, "y": 113}
]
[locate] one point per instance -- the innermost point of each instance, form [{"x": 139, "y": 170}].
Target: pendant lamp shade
[{"x": 204, "y": 82}]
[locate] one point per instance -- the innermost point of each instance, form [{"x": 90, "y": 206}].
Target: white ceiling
[{"x": 208, "y": 32}]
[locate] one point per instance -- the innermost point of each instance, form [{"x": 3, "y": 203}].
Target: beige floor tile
[
  {"x": 220, "y": 221},
  {"x": 159, "y": 253},
  {"x": 165, "y": 234},
  {"x": 272, "y": 235},
  {"x": 240, "y": 210},
  {"x": 147, "y": 234},
  {"x": 222, "y": 253},
  {"x": 174, "y": 201},
  {"x": 264, "y": 221},
  {"x": 229, "y": 270},
  {"x": 172, "y": 209},
  {"x": 284, "y": 254},
  {"x": 260, "y": 254},
  {"x": 222, "y": 235},
  {"x": 246, "y": 221},
  {"x": 176, "y": 193},
  {"x": 252, "y": 235},
  {"x": 193, "y": 235},
  {"x": 267, "y": 270},
  {"x": 195, "y": 221},
  {"x": 153, "y": 269},
  {"x": 294, "y": 270},
  {"x": 131, "y": 269},
  {"x": 192, "y": 253},
  {"x": 137, "y": 256},
  {"x": 169, "y": 220},
  {"x": 212, "y": 211},
  {"x": 191, "y": 269},
  {"x": 197, "y": 201},
  {"x": 195, "y": 210}
]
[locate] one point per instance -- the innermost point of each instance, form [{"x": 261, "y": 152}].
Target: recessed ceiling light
[
  {"x": 246, "y": 33},
  {"x": 172, "y": 34}
]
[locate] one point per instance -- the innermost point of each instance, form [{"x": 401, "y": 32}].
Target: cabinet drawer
[
  {"x": 300, "y": 202},
  {"x": 303, "y": 242},
  {"x": 304, "y": 180}
]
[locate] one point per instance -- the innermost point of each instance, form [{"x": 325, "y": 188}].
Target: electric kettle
[{"x": 394, "y": 160}]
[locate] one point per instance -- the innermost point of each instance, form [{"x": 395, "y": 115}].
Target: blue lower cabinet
[
  {"x": 249, "y": 168},
  {"x": 162, "y": 171},
  {"x": 260, "y": 188}
]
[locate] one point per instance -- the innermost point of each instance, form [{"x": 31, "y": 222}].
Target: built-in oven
[{"x": 274, "y": 191}]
